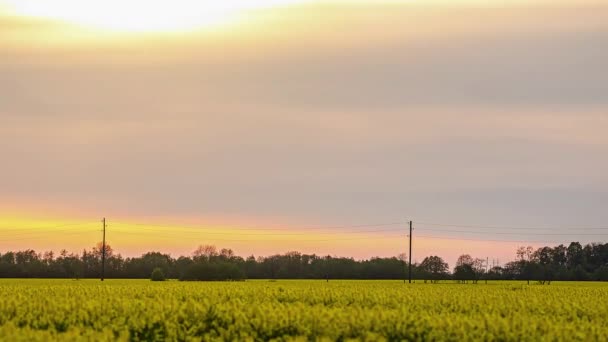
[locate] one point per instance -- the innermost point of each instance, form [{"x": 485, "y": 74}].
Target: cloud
[
  {"x": 430, "y": 115},
  {"x": 537, "y": 70}
]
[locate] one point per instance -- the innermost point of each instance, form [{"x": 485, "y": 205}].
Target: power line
[
  {"x": 46, "y": 236},
  {"x": 279, "y": 240},
  {"x": 258, "y": 228},
  {"x": 507, "y": 227},
  {"x": 266, "y": 234},
  {"x": 29, "y": 233},
  {"x": 483, "y": 240},
  {"x": 45, "y": 227},
  {"x": 199, "y": 232},
  {"x": 362, "y": 238},
  {"x": 506, "y": 233},
  {"x": 178, "y": 234}
]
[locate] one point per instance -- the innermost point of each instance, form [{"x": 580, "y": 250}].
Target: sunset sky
[{"x": 318, "y": 126}]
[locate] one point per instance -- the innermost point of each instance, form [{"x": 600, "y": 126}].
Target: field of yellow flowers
[{"x": 307, "y": 310}]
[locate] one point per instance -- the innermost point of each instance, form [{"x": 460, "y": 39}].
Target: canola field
[{"x": 307, "y": 310}]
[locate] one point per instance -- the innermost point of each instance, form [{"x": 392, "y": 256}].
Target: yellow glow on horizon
[
  {"x": 142, "y": 15},
  {"x": 52, "y": 233},
  {"x": 136, "y": 236}
]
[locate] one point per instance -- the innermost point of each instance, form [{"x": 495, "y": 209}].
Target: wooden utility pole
[
  {"x": 410, "y": 255},
  {"x": 103, "y": 251}
]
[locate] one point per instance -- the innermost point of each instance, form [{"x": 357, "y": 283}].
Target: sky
[{"x": 314, "y": 126}]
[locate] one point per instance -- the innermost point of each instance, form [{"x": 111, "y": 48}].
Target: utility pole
[
  {"x": 487, "y": 264},
  {"x": 103, "y": 251},
  {"x": 410, "y": 255}
]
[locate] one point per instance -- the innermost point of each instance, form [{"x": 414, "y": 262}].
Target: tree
[
  {"x": 479, "y": 269},
  {"x": 495, "y": 273},
  {"x": 525, "y": 253},
  {"x": 434, "y": 268},
  {"x": 580, "y": 273},
  {"x": 545, "y": 264},
  {"x": 601, "y": 274},
  {"x": 543, "y": 255},
  {"x": 574, "y": 255},
  {"x": 98, "y": 251},
  {"x": 469, "y": 268},
  {"x": 205, "y": 251},
  {"x": 213, "y": 270},
  {"x": 559, "y": 255},
  {"x": 144, "y": 265},
  {"x": 227, "y": 254},
  {"x": 48, "y": 257},
  {"x": 464, "y": 259},
  {"x": 402, "y": 257},
  {"x": 464, "y": 273}
]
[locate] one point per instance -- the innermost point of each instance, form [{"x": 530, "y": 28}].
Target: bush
[{"x": 157, "y": 275}]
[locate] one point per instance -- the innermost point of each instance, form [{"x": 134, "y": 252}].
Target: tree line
[{"x": 545, "y": 264}]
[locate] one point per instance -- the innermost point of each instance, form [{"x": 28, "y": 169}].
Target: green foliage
[
  {"x": 464, "y": 272},
  {"x": 132, "y": 310},
  {"x": 157, "y": 275},
  {"x": 205, "y": 270},
  {"x": 545, "y": 264}
]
